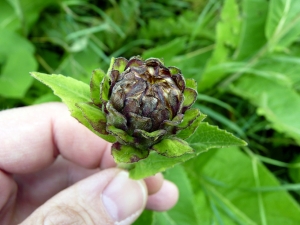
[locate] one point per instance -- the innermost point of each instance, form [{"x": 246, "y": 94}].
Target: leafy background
[{"x": 245, "y": 55}]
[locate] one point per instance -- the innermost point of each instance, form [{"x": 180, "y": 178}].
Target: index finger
[{"x": 32, "y": 137}]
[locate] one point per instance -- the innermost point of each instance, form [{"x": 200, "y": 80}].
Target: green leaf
[
  {"x": 70, "y": 91},
  {"x": 184, "y": 212},
  {"x": 172, "y": 147},
  {"x": 127, "y": 154},
  {"x": 283, "y": 112},
  {"x": 16, "y": 60},
  {"x": 208, "y": 136},
  {"x": 145, "y": 218},
  {"x": 97, "y": 77},
  {"x": 234, "y": 194},
  {"x": 204, "y": 138},
  {"x": 283, "y": 24},
  {"x": 227, "y": 38},
  {"x": 97, "y": 120}
]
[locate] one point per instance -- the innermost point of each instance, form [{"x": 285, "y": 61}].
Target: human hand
[{"x": 53, "y": 170}]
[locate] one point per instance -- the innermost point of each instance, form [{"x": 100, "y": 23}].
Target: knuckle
[{"x": 64, "y": 214}]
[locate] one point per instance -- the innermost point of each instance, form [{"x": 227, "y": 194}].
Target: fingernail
[{"x": 124, "y": 199}]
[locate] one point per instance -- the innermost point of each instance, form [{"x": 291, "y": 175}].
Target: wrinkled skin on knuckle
[{"x": 63, "y": 214}]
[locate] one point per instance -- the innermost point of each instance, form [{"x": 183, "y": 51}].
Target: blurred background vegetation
[{"x": 245, "y": 56}]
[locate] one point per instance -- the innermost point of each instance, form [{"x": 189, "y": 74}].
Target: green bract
[{"x": 145, "y": 106}]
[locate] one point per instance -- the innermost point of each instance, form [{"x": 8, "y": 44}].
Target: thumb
[{"x": 108, "y": 197}]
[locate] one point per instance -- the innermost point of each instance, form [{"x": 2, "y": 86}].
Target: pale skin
[{"x": 53, "y": 170}]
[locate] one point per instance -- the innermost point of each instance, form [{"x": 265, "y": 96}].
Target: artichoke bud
[{"x": 145, "y": 103}]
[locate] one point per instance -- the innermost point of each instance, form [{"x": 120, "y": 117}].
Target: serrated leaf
[
  {"x": 172, "y": 147},
  {"x": 97, "y": 120},
  {"x": 208, "y": 136},
  {"x": 97, "y": 77},
  {"x": 70, "y": 91},
  {"x": 204, "y": 138}
]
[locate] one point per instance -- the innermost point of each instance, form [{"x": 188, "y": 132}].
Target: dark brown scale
[{"x": 146, "y": 94}]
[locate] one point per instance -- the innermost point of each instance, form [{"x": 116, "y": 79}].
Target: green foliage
[{"x": 245, "y": 57}]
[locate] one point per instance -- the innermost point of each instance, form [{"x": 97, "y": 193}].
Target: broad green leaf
[
  {"x": 172, "y": 147},
  {"x": 233, "y": 185},
  {"x": 284, "y": 65},
  {"x": 96, "y": 119},
  {"x": 228, "y": 30},
  {"x": 208, "y": 136},
  {"x": 279, "y": 104},
  {"x": 127, "y": 154},
  {"x": 16, "y": 60},
  {"x": 145, "y": 218},
  {"x": 283, "y": 24},
  {"x": 155, "y": 163},
  {"x": 204, "y": 138},
  {"x": 252, "y": 37},
  {"x": 185, "y": 211},
  {"x": 70, "y": 91},
  {"x": 8, "y": 18},
  {"x": 97, "y": 77}
]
